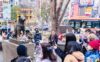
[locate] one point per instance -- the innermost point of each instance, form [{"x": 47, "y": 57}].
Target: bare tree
[{"x": 55, "y": 13}]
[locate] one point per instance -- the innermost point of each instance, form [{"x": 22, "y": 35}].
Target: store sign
[
  {"x": 86, "y": 2},
  {"x": 75, "y": 10},
  {"x": 88, "y": 11},
  {"x": 6, "y": 11},
  {"x": 1, "y": 9},
  {"x": 74, "y": 1}
]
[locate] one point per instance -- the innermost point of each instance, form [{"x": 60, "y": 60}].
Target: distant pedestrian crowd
[{"x": 80, "y": 47}]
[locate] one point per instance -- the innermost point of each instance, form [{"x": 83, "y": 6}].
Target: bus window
[
  {"x": 83, "y": 24},
  {"x": 71, "y": 23},
  {"x": 89, "y": 24},
  {"x": 77, "y": 24},
  {"x": 96, "y": 24}
]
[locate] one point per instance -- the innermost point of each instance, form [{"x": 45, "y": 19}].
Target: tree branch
[
  {"x": 55, "y": 5},
  {"x": 59, "y": 8},
  {"x": 60, "y": 19}
]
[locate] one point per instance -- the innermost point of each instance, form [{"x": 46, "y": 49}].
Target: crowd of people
[{"x": 85, "y": 48}]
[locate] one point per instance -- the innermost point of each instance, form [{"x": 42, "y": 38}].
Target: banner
[
  {"x": 86, "y": 3},
  {"x": 74, "y": 1},
  {"x": 75, "y": 10},
  {"x": 1, "y": 10},
  {"x": 88, "y": 11},
  {"x": 6, "y": 11}
]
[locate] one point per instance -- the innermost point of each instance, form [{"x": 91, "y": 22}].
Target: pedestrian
[
  {"x": 98, "y": 34},
  {"x": 53, "y": 38},
  {"x": 13, "y": 35},
  {"x": 92, "y": 53},
  {"x": 48, "y": 54},
  {"x": 4, "y": 35},
  {"x": 9, "y": 33},
  {"x": 60, "y": 36},
  {"x": 74, "y": 52},
  {"x": 70, "y": 37},
  {"x": 37, "y": 36},
  {"x": 91, "y": 37},
  {"x": 88, "y": 31},
  {"x": 22, "y": 55}
]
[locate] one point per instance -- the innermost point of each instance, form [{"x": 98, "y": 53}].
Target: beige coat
[{"x": 74, "y": 57}]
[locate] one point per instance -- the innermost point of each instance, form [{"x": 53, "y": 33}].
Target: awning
[{"x": 82, "y": 18}]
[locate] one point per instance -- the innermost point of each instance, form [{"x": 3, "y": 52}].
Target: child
[{"x": 92, "y": 53}]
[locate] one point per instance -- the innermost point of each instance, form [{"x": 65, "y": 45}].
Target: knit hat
[
  {"x": 22, "y": 50},
  {"x": 95, "y": 44}
]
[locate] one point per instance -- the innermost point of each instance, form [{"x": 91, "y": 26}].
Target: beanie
[
  {"x": 22, "y": 50},
  {"x": 94, "y": 44}
]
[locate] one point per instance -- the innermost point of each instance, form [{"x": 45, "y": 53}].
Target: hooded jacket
[{"x": 74, "y": 57}]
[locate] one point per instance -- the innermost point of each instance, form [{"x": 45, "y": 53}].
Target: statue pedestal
[{"x": 9, "y": 50}]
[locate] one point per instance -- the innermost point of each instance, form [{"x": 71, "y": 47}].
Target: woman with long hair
[
  {"x": 48, "y": 55},
  {"x": 70, "y": 37},
  {"x": 74, "y": 52}
]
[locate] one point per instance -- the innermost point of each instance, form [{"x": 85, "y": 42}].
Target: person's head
[
  {"x": 36, "y": 30},
  {"x": 48, "y": 52},
  {"x": 21, "y": 50},
  {"x": 94, "y": 45},
  {"x": 73, "y": 46},
  {"x": 53, "y": 33},
  {"x": 27, "y": 32},
  {"x": 92, "y": 37},
  {"x": 69, "y": 37},
  {"x": 98, "y": 32},
  {"x": 88, "y": 31},
  {"x": 9, "y": 30},
  {"x": 21, "y": 33}
]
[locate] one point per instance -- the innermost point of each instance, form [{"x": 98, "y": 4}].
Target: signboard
[
  {"x": 88, "y": 11},
  {"x": 0, "y": 3},
  {"x": 1, "y": 9},
  {"x": 74, "y": 1},
  {"x": 86, "y": 2},
  {"x": 75, "y": 10},
  {"x": 6, "y": 11}
]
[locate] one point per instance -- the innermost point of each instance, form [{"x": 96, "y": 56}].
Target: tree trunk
[
  {"x": 53, "y": 14},
  {"x": 61, "y": 17}
]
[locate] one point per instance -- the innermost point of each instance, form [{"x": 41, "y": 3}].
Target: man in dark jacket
[
  {"x": 53, "y": 38},
  {"x": 37, "y": 36},
  {"x": 22, "y": 55}
]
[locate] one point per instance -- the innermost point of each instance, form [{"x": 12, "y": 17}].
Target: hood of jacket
[{"x": 78, "y": 55}]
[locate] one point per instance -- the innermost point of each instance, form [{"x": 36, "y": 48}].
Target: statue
[{"x": 20, "y": 26}]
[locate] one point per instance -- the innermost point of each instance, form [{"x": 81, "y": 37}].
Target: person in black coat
[
  {"x": 22, "y": 52},
  {"x": 62, "y": 53},
  {"x": 53, "y": 38},
  {"x": 37, "y": 36}
]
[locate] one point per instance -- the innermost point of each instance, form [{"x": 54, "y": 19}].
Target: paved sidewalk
[{"x": 1, "y": 56}]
